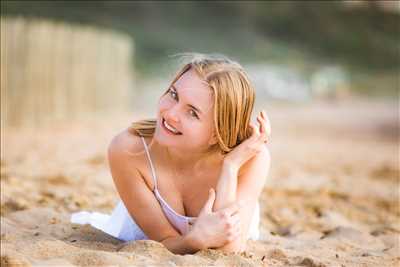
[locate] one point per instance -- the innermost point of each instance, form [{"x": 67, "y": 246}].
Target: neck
[{"x": 192, "y": 161}]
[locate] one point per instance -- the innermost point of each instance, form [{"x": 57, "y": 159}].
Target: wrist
[
  {"x": 193, "y": 241},
  {"x": 230, "y": 166}
]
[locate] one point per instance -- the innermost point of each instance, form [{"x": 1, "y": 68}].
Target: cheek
[
  {"x": 199, "y": 131},
  {"x": 164, "y": 103}
]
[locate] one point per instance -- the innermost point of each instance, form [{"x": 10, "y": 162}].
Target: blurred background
[
  {"x": 75, "y": 73},
  {"x": 75, "y": 53}
]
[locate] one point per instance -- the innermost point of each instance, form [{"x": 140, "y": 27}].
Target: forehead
[{"x": 193, "y": 90}]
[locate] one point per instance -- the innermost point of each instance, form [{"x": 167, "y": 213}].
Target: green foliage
[{"x": 290, "y": 32}]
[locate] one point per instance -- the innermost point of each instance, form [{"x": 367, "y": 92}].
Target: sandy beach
[{"x": 331, "y": 199}]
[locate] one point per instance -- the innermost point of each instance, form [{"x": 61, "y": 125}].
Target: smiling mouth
[{"x": 169, "y": 128}]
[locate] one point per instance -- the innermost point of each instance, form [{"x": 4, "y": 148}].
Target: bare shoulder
[
  {"x": 126, "y": 154},
  {"x": 126, "y": 157},
  {"x": 126, "y": 144}
]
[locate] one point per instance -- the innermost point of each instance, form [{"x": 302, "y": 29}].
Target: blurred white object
[
  {"x": 330, "y": 81},
  {"x": 278, "y": 82},
  {"x": 287, "y": 83}
]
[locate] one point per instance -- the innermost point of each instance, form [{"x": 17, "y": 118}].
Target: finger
[
  {"x": 251, "y": 125},
  {"x": 237, "y": 226},
  {"x": 232, "y": 209},
  {"x": 263, "y": 134},
  {"x": 235, "y": 212},
  {"x": 267, "y": 123},
  {"x": 234, "y": 236},
  {"x": 261, "y": 122},
  {"x": 235, "y": 207},
  {"x": 237, "y": 234},
  {"x": 266, "y": 126},
  {"x": 255, "y": 132},
  {"x": 235, "y": 219},
  {"x": 263, "y": 114},
  {"x": 210, "y": 201},
  {"x": 236, "y": 229}
]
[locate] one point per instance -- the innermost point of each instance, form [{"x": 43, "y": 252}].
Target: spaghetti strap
[
  {"x": 121, "y": 224},
  {"x": 151, "y": 163}
]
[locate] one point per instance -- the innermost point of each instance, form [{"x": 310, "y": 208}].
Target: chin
[
  {"x": 171, "y": 142},
  {"x": 162, "y": 139}
]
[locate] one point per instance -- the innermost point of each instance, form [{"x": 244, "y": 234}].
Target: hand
[
  {"x": 215, "y": 229},
  {"x": 251, "y": 146}
]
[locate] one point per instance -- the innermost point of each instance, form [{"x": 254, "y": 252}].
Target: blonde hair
[{"x": 233, "y": 99}]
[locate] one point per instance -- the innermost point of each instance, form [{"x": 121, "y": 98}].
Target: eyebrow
[{"x": 198, "y": 110}]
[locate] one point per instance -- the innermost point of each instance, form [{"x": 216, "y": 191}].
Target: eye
[
  {"x": 173, "y": 94},
  {"x": 193, "y": 113}
]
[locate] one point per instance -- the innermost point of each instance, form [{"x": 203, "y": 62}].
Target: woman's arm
[
  {"x": 226, "y": 187},
  {"x": 243, "y": 177},
  {"x": 251, "y": 182},
  {"x": 185, "y": 244},
  {"x": 140, "y": 201},
  {"x": 225, "y": 195},
  {"x": 246, "y": 188},
  {"x": 209, "y": 229}
]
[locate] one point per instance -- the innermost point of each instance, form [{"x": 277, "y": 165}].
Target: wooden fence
[{"x": 54, "y": 71}]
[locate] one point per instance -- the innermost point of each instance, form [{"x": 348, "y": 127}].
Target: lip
[{"x": 166, "y": 130}]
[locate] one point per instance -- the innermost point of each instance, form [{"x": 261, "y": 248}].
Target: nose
[{"x": 172, "y": 115}]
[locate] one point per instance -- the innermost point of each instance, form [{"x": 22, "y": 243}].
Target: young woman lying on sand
[{"x": 191, "y": 178}]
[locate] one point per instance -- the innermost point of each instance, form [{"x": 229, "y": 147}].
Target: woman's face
[{"x": 185, "y": 115}]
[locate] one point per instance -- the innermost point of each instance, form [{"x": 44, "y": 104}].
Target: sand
[{"x": 331, "y": 199}]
